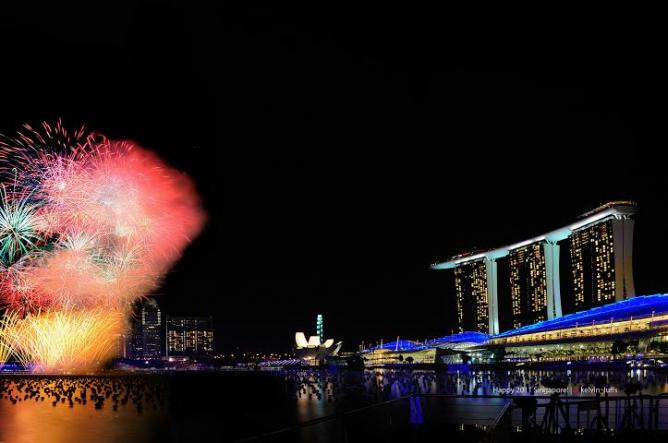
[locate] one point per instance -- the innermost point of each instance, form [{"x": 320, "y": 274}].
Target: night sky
[{"x": 340, "y": 152}]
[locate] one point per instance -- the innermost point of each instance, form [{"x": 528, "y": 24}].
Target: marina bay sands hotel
[{"x": 600, "y": 245}]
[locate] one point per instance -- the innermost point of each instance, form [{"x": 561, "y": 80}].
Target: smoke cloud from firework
[{"x": 86, "y": 223}]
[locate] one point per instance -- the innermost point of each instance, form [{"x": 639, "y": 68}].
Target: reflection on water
[
  {"x": 231, "y": 405},
  {"x": 80, "y": 409},
  {"x": 379, "y": 385},
  {"x": 314, "y": 392}
]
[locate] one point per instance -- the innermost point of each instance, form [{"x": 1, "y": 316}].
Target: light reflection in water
[
  {"x": 79, "y": 409},
  {"x": 383, "y": 384},
  {"x": 137, "y": 408}
]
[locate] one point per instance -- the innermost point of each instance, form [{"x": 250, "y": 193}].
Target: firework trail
[
  {"x": 7, "y": 329},
  {"x": 65, "y": 340},
  {"x": 87, "y": 224}
]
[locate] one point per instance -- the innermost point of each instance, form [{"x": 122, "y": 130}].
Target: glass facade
[
  {"x": 528, "y": 284},
  {"x": 145, "y": 336},
  {"x": 472, "y": 301},
  {"x": 136, "y": 340},
  {"x": 151, "y": 323},
  {"x": 593, "y": 265}
]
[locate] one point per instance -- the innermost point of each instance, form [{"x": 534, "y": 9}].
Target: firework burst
[
  {"x": 7, "y": 329},
  {"x": 87, "y": 225},
  {"x": 19, "y": 226},
  {"x": 67, "y": 340}
]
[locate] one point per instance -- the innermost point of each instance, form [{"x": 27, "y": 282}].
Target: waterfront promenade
[{"x": 279, "y": 404}]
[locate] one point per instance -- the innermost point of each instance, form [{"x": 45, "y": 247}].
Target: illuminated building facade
[
  {"x": 313, "y": 351},
  {"x": 472, "y": 297},
  {"x": 190, "y": 337},
  {"x": 439, "y": 350},
  {"x": 123, "y": 346},
  {"x": 136, "y": 341},
  {"x": 615, "y": 331},
  {"x": 601, "y": 243},
  {"x": 528, "y": 284},
  {"x": 151, "y": 323},
  {"x": 389, "y": 358},
  {"x": 638, "y": 315},
  {"x": 320, "y": 328},
  {"x": 599, "y": 254}
]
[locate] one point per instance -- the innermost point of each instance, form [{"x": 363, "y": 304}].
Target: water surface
[{"x": 229, "y": 405}]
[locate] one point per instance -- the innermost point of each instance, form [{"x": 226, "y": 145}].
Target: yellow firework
[
  {"x": 64, "y": 340},
  {"x": 7, "y": 326}
]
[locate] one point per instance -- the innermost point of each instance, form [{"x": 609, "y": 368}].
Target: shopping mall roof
[
  {"x": 636, "y": 307},
  {"x": 468, "y": 337},
  {"x": 604, "y": 212},
  {"x": 462, "y": 337},
  {"x": 400, "y": 345}
]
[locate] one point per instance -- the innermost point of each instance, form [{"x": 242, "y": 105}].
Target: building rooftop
[
  {"x": 400, "y": 345},
  {"x": 636, "y": 307},
  {"x": 601, "y": 213},
  {"x": 462, "y": 337},
  {"x": 410, "y": 345},
  {"x": 608, "y": 205}
]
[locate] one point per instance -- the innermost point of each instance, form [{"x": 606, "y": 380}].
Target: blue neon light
[
  {"x": 637, "y": 307},
  {"x": 462, "y": 337},
  {"x": 401, "y": 345},
  {"x": 409, "y": 345}
]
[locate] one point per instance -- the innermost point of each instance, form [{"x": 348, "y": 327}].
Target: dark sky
[{"x": 340, "y": 152}]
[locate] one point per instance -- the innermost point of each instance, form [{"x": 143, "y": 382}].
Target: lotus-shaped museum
[{"x": 312, "y": 350}]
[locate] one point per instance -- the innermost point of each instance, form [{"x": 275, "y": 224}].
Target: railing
[
  {"x": 426, "y": 417},
  {"x": 381, "y": 419},
  {"x": 603, "y": 414}
]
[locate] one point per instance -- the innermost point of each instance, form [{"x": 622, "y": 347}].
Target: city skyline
[
  {"x": 336, "y": 165},
  {"x": 152, "y": 335},
  {"x": 281, "y": 222}
]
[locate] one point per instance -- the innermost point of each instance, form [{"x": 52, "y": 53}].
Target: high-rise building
[
  {"x": 471, "y": 288},
  {"x": 136, "y": 338},
  {"x": 528, "y": 284},
  {"x": 601, "y": 262},
  {"x": 145, "y": 334},
  {"x": 320, "y": 328},
  {"x": 189, "y": 336},
  {"x": 121, "y": 346},
  {"x": 151, "y": 323}
]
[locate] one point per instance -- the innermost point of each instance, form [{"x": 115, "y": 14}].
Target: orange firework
[
  {"x": 88, "y": 226},
  {"x": 64, "y": 340},
  {"x": 7, "y": 328}
]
